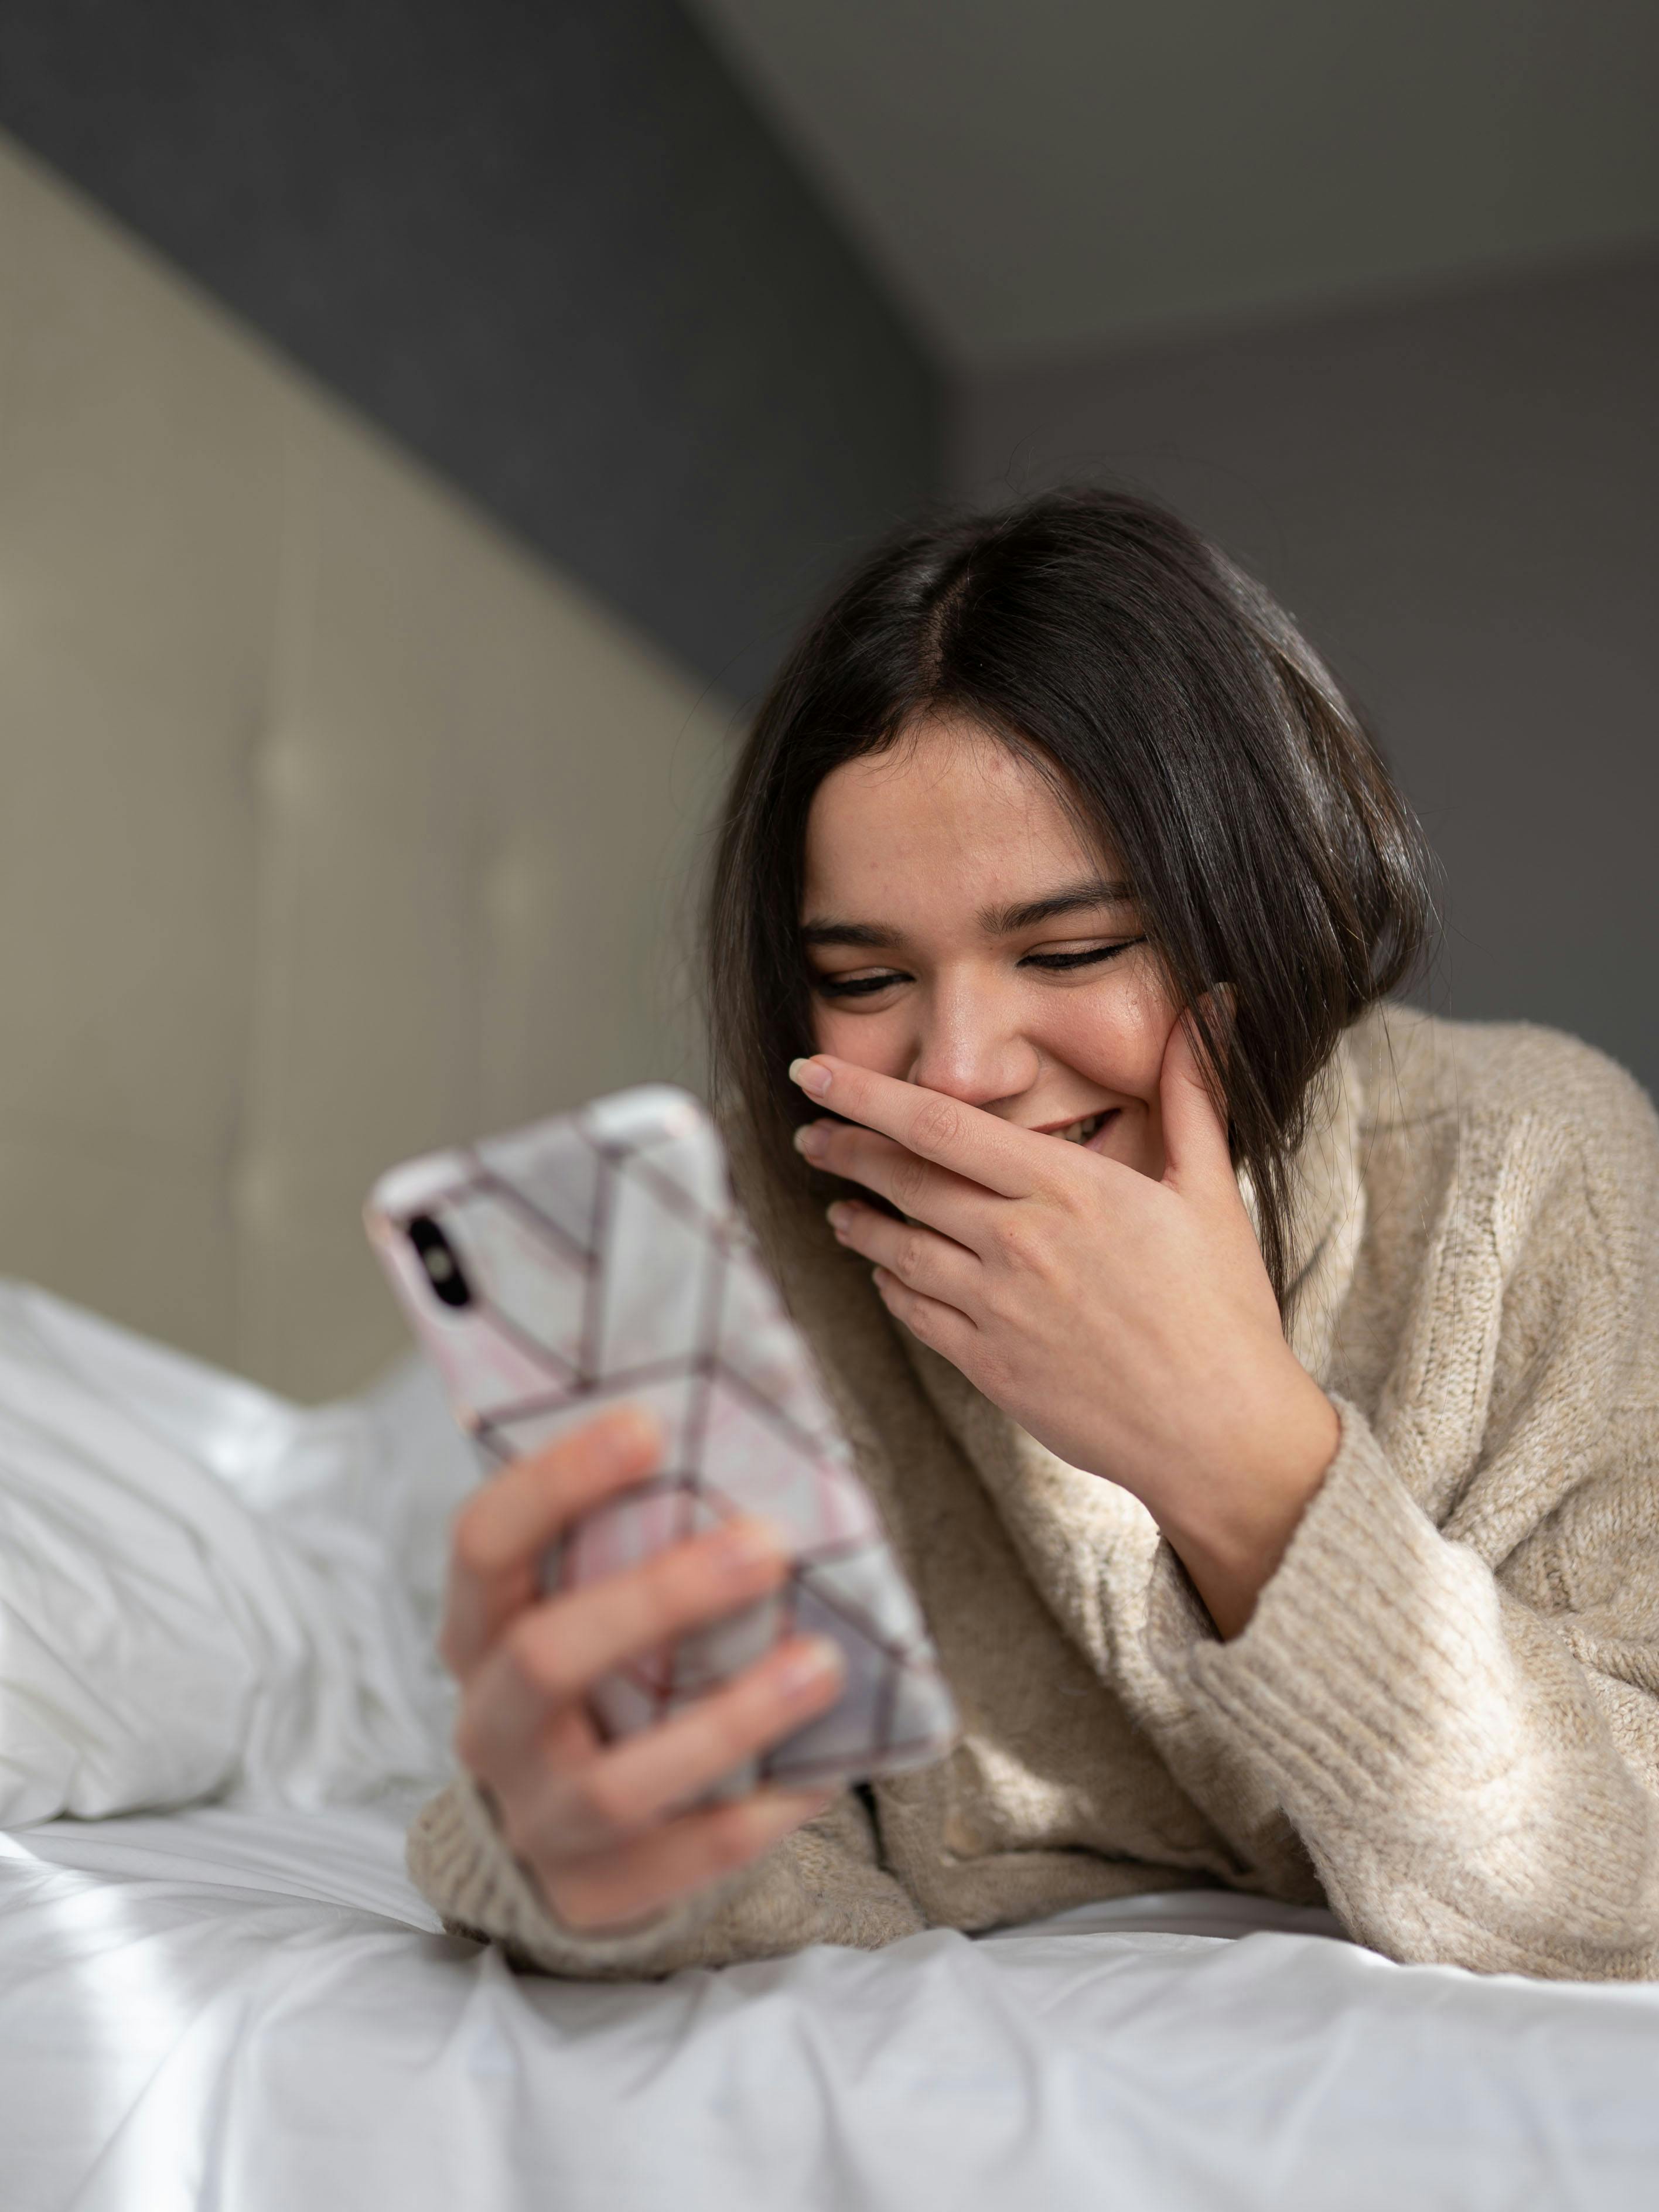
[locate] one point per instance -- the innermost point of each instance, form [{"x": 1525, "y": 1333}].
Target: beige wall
[{"x": 332, "y": 825}]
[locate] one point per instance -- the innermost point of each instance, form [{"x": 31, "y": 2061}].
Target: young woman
[{"x": 1260, "y": 1384}]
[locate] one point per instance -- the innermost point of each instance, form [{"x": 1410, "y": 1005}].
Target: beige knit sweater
[{"x": 1443, "y": 1716}]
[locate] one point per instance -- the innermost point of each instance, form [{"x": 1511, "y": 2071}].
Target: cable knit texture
[{"x": 1443, "y": 1716}]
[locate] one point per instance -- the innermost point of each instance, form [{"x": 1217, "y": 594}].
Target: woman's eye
[
  {"x": 855, "y": 986},
  {"x": 1057, "y": 962}
]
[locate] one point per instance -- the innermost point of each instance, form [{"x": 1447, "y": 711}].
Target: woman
[{"x": 1259, "y": 1384}]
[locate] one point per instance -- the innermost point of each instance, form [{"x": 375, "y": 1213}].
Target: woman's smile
[{"x": 1085, "y": 1131}]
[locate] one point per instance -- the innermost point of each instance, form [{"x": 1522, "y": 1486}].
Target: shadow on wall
[
  {"x": 1459, "y": 497},
  {"x": 555, "y": 250}
]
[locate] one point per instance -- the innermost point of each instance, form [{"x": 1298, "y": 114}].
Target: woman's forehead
[
  {"x": 949, "y": 764},
  {"x": 948, "y": 816}
]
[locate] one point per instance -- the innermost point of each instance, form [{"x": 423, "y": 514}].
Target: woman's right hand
[{"x": 603, "y": 1828}]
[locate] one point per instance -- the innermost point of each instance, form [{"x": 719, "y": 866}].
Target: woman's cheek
[
  {"x": 826, "y": 1030},
  {"x": 863, "y": 1040},
  {"x": 1120, "y": 1044}
]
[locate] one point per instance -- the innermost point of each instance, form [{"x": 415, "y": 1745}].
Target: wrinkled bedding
[
  {"x": 208, "y": 1595},
  {"x": 205, "y": 1591}
]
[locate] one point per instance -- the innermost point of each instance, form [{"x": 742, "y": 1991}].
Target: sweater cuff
[
  {"x": 1372, "y": 1632},
  {"x": 458, "y": 1860}
]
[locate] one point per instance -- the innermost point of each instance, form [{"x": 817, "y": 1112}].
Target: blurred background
[{"x": 422, "y": 425}]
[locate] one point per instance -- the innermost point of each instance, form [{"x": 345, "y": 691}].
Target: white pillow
[{"x": 205, "y": 1591}]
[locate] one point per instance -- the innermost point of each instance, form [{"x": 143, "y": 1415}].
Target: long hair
[{"x": 1185, "y": 721}]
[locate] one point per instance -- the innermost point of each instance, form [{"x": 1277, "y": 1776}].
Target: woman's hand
[
  {"x": 1127, "y": 1324},
  {"x": 602, "y": 1828}
]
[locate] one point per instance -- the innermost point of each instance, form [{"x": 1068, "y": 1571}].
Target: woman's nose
[{"x": 967, "y": 1054}]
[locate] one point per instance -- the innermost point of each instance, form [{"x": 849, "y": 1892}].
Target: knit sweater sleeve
[
  {"x": 821, "y": 1885},
  {"x": 1451, "y": 1685}
]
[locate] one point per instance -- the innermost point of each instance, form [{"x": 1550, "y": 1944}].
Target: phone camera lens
[{"x": 443, "y": 1270}]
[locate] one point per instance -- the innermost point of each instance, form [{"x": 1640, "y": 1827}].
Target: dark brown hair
[{"x": 1181, "y": 716}]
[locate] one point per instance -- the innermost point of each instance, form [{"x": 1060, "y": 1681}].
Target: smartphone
[{"x": 599, "y": 1259}]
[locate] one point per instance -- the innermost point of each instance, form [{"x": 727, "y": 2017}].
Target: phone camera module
[{"x": 443, "y": 1270}]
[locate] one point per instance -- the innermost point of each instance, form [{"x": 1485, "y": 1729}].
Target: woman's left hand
[{"x": 1126, "y": 1324}]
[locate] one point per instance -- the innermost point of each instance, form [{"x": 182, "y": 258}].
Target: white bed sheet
[
  {"x": 252, "y": 2011},
  {"x": 243, "y": 2006}
]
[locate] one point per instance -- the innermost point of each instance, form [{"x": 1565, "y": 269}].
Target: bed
[
  {"x": 337, "y": 828},
  {"x": 242, "y": 2002},
  {"x": 222, "y": 2009}
]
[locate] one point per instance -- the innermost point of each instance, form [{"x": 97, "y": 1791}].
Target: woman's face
[{"x": 962, "y": 936}]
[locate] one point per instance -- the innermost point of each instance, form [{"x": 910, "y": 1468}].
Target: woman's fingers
[
  {"x": 589, "y": 1820},
  {"x": 942, "y": 1328},
  {"x": 948, "y": 1132},
  {"x": 553, "y": 1653},
  {"x": 946, "y": 1201},
  {"x": 614, "y": 1888},
  {"x": 921, "y": 1258},
  {"x": 574, "y": 1810},
  {"x": 1197, "y": 1156},
  {"x": 629, "y": 1787},
  {"x": 501, "y": 1532}
]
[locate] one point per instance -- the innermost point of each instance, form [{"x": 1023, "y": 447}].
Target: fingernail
[
  {"x": 838, "y": 1216},
  {"x": 810, "y": 1666},
  {"x": 628, "y": 1431},
  {"x": 813, "y": 1077},
  {"x": 810, "y": 1139},
  {"x": 748, "y": 1543}
]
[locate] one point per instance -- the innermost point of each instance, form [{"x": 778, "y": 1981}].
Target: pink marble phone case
[{"x": 599, "y": 1259}]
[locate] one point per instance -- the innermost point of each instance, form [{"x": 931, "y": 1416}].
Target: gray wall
[
  {"x": 1459, "y": 497},
  {"x": 550, "y": 245}
]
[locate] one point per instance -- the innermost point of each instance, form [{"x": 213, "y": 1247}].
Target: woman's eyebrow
[
  {"x": 1074, "y": 898},
  {"x": 995, "y": 922},
  {"x": 874, "y": 935}
]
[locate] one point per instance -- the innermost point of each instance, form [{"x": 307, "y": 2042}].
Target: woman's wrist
[{"x": 1231, "y": 1534}]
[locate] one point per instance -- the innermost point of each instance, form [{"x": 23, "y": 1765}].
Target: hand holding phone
[
  {"x": 603, "y": 1827},
  {"x": 599, "y": 1259}
]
